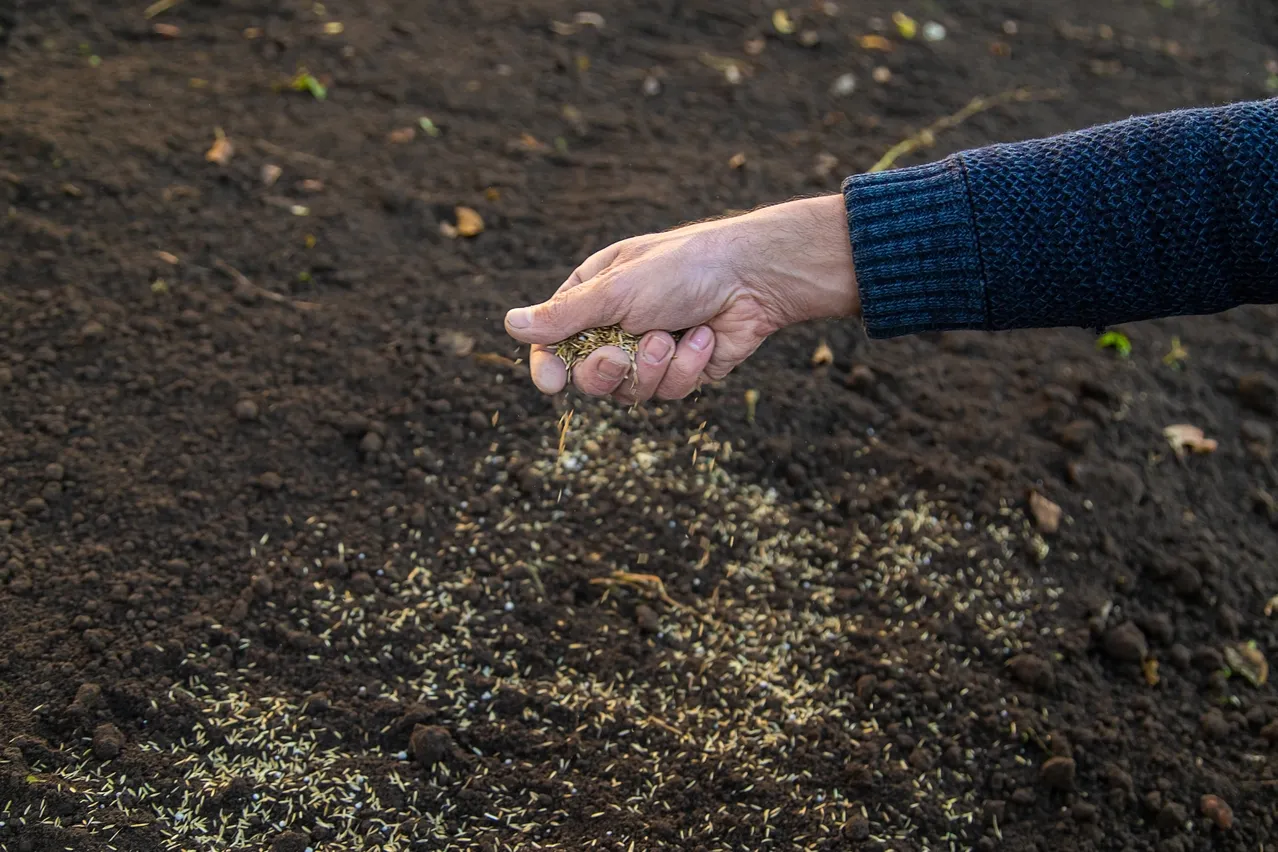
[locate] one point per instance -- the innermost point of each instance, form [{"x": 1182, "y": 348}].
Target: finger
[
  {"x": 655, "y": 351},
  {"x": 549, "y": 373},
  {"x": 691, "y": 357},
  {"x": 602, "y": 372},
  {"x": 583, "y": 301}
]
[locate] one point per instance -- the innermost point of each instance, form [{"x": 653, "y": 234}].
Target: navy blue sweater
[{"x": 1162, "y": 215}]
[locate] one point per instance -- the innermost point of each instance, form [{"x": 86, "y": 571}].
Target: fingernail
[
  {"x": 700, "y": 338},
  {"x": 519, "y": 318},
  {"x": 612, "y": 371},
  {"x": 656, "y": 350}
]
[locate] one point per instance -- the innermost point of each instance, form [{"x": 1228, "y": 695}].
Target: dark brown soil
[{"x": 288, "y": 556}]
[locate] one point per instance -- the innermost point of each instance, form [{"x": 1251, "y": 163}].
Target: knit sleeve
[{"x": 1163, "y": 215}]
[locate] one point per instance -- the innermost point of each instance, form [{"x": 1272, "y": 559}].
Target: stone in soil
[
  {"x": 1126, "y": 643},
  {"x": 431, "y": 744},
  {"x": 1214, "y": 724},
  {"x": 1058, "y": 773},
  {"x": 108, "y": 742},
  {"x": 1218, "y": 811},
  {"x": 1032, "y": 670},
  {"x": 1258, "y": 392}
]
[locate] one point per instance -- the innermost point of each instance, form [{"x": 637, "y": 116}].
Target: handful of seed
[{"x": 578, "y": 347}]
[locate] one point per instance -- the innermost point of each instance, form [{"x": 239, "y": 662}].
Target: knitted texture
[{"x": 1164, "y": 215}]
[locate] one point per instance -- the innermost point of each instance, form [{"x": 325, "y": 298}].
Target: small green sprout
[
  {"x": 1117, "y": 341},
  {"x": 305, "y": 81},
  {"x": 1177, "y": 356}
]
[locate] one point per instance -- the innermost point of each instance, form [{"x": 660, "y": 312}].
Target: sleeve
[{"x": 1163, "y": 215}]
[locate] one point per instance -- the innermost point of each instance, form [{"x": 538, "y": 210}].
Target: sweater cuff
[{"x": 915, "y": 250}]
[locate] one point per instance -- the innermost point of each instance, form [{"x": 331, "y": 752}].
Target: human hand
[{"x": 728, "y": 283}]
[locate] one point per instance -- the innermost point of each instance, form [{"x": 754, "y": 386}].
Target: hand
[{"x": 730, "y": 283}]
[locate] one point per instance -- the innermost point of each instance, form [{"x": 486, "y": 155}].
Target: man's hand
[{"x": 729, "y": 283}]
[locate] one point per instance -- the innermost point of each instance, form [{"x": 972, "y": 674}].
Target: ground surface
[{"x": 288, "y": 555}]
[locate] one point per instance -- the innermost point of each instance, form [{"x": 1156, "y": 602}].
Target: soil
[{"x": 289, "y": 556}]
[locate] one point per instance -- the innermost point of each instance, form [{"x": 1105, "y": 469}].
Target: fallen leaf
[
  {"x": 1047, "y": 515},
  {"x": 737, "y": 160},
  {"x": 781, "y": 22},
  {"x": 1185, "y": 438},
  {"x": 401, "y": 136},
  {"x": 469, "y": 222},
  {"x": 1150, "y": 668},
  {"x": 876, "y": 42},
  {"x": 823, "y": 355},
  {"x": 1247, "y": 659},
  {"x": 221, "y": 150}
]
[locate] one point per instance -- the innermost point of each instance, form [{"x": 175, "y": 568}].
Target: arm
[{"x": 1157, "y": 216}]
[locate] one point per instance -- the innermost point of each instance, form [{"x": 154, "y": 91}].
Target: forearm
[{"x": 1164, "y": 215}]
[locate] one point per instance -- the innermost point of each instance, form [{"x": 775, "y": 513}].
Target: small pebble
[
  {"x": 108, "y": 742},
  {"x": 843, "y": 85},
  {"x": 1218, "y": 811}
]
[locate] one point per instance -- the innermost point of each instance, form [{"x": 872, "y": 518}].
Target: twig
[
  {"x": 241, "y": 280},
  {"x": 926, "y": 137},
  {"x": 159, "y": 7}
]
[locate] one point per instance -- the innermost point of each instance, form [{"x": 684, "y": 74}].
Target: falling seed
[
  {"x": 781, "y": 22},
  {"x": 166, "y": 30},
  {"x": 270, "y": 174},
  {"x": 651, "y": 86},
  {"x": 401, "y": 136},
  {"x": 932, "y": 31},
  {"x": 300, "y": 210},
  {"x": 1010, "y": 27},
  {"x": 589, "y": 19},
  {"x": 882, "y": 74},
  {"x": 755, "y": 46},
  {"x": 823, "y": 355},
  {"x": 752, "y": 404},
  {"x": 843, "y": 85},
  {"x": 809, "y": 38},
  {"x": 732, "y": 74},
  {"x": 428, "y": 127},
  {"x": 737, "y": 160},
  {"x": 334, "y": 27}
]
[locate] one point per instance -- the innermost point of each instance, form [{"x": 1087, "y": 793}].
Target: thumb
[{"x": 565, "y": 314}]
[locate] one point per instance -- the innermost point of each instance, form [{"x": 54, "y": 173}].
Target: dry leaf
[
  {"x": 221, "y": 150},
  {"x": 469, "y": 222},
  {"x": 1047, "y": 515},
  {"x": 1150, "y": 669},
  {"x": 402, "y": 136},
  {"x": 823, "y": 355},
  {"x": 1246, "y": 659},
  {"x": 1186, "y": 438},
  {"x": 737, "y": 160},
  {"x": 876, "y": 42}
]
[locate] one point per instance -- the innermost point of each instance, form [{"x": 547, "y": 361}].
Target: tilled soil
[{"x": 290, "y": 555}]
